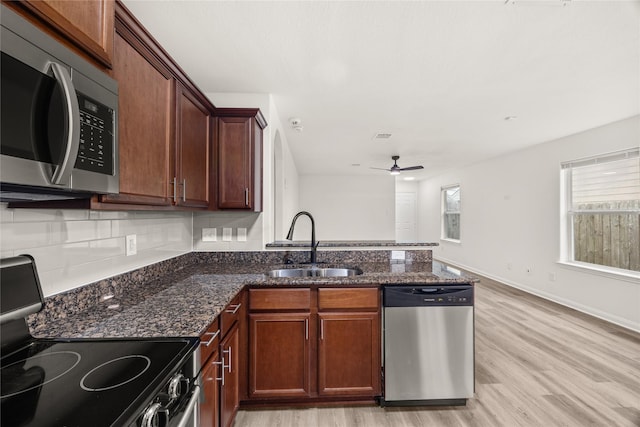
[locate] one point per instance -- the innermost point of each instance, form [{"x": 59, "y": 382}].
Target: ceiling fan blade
[
  {"x": 411, "y": 168},
  {"x": 380, "y": 169}
]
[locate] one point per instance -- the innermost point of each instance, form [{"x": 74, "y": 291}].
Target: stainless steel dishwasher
[{"x": 428, "y": 345}]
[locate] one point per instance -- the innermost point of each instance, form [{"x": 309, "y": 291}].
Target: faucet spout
[{"x": 314, "y": 244}]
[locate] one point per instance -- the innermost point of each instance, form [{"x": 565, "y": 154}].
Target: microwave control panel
[{"x": 95, "y": 153}]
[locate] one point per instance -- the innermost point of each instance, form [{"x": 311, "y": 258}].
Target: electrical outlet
[
  {"x": 131, "y": 247},
  {"x": 209, "y": 235},
  {"x": 226, "y": 234},
  {"x": 242, "y": 234},
  {"x": 397, "y": 255}
]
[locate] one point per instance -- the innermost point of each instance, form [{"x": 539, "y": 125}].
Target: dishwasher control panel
[{"x": 424, "y": 296}]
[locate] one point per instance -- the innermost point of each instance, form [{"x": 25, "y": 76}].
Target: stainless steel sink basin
[{"x": 314, "y": 272}]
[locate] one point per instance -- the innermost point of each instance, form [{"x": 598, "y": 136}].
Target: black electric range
[{"x": 87, "y": 382}]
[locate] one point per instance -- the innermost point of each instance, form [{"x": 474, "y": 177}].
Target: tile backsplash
[{"x": 76, "y": 247}]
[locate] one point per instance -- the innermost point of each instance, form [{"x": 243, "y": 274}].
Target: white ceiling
[{"x": 441, "y": 76}]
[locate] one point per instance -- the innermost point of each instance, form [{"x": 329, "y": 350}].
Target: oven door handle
[{"x": 191, "y": 407}]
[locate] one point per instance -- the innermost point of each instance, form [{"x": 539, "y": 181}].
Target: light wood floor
[{"x": 537, "y": 364}]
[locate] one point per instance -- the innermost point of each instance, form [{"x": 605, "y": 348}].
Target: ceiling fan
[{"x": 395, "y": 169}]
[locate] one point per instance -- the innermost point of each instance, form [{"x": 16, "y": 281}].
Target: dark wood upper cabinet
[
  {"x": 238, "y": 143},
  {"x": 145, "y": 125},
  {"x": 86, "y": 25},
  {"x": 165, "y": 137},
  {"x": 192, "y": 153}
]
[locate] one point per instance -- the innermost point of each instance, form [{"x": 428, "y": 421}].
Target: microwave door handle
[{"x": 62, "y": 172}]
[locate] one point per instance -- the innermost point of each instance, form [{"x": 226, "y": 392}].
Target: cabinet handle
[
  {"x": 174, "y": 182},
  {"x": 229, "y": 365},
  {"x": 222, "y": 373},
  {"x": 246, "y": 197},
  {"x": 184, "y": 189},
  {"x": 321, "y": 329},
  {"x": 222, "y": 377},
  {"x": 306, "y": 329},
  {"x": 213, "y": 337},
  {"x": 235, "y": 308}
]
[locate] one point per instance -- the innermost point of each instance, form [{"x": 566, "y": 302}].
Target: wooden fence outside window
[{"x": 610, "y": 239}]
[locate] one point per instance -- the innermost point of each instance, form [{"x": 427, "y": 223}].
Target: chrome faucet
[{"x": 314, "y": 244}]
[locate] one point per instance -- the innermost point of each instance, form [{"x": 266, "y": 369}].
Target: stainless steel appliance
[
  {"x": 92, "y": 382},
  {"x": 428, "y": 344},
  {"x": 58, "y": 118}
]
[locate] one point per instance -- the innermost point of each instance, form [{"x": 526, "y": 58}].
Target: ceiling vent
[{"x": 382, "y": 135}]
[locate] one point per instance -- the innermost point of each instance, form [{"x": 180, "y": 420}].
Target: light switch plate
[
  {"x": 209, "y": 235},
  {"x": 242, "y": 234},
  {"x": 226, "y": 234}
]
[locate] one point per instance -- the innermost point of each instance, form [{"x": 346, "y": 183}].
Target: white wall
[
  {"x": 75, "y": 247},
  {"x": 287, "y": 188},
  {"x": 510, "y": 220},
  {"x": 347, "y": 207}
]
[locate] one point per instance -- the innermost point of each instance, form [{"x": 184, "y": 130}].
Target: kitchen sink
[{"x": 314, "y": 272}]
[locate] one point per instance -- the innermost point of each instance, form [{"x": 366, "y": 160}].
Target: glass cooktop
[{"x": 86, "y": 382}]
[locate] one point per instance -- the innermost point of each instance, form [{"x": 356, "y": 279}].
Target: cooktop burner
[
  {"x": 27, "y": 374},
  {"x": 85, "y": 382},
  {"x": 115, "y": 373}
]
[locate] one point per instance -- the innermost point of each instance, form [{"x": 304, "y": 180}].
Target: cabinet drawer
[
  {"x": 230, "y": 314},
  {"x": 279, "y": 299},
  {"x": 360, "y": 298},
  {"x": 209, "y": 341}
]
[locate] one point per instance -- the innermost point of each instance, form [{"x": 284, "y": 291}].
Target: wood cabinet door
[
  {"x": 145, "y": 127},
  {"x": 210, "y": 404},
  {"x": 192, "y": 150},
  {"x": 279, "y": 355},
  {"x": 88, "y": 24},
  {"x": 349, "y": 354},
  {"x": 230, "y": 389},
  {"x": 235, "y": 176}
]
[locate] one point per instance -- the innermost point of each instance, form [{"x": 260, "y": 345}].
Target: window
[
  {"x": 451, "y": 212},
  {"x": 602, "y": 210}
]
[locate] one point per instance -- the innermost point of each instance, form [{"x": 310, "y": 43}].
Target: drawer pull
[
  {"x": 235, "y": 308},
  {"x": 213, "y": 337}
]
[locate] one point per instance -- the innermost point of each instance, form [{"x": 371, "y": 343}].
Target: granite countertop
[
  {"x": 183, "y": 303},
  {"x": 347, "y": 244}
]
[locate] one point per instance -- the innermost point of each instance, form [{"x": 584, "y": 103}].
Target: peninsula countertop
[
  {"x": 349, "y": 244},
  {"x": 184, "y": 302}
]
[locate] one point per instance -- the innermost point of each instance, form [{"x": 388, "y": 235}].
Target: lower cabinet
[
  {"x": 230, "y": 385},
  {"x": 314, "y": 343},
  {"x": 349, "y": 354},
  {"x": 223, "y": 373},
  {"x": 209, "y": 405},
  {"x": 279, "y": 354}
]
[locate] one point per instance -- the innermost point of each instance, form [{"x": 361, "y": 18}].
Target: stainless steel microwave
[{"x": 58, "y": 118}]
